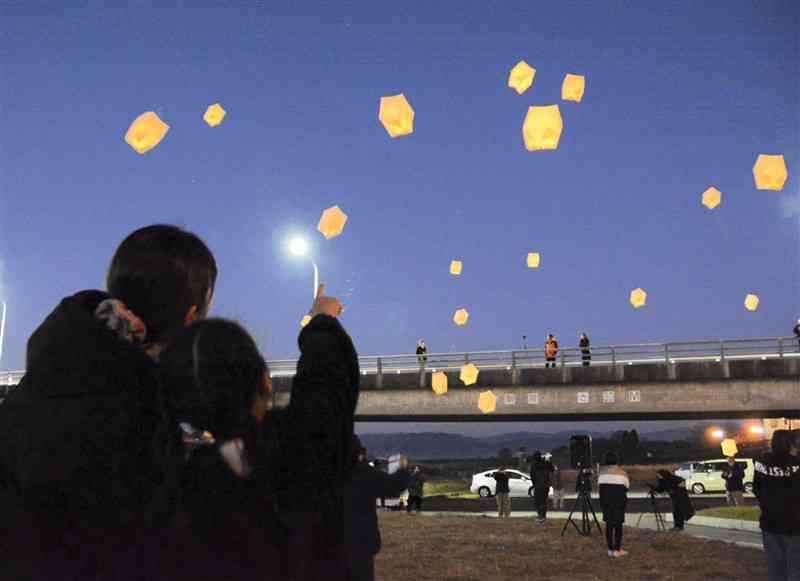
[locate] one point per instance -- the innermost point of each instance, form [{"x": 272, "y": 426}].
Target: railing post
[
  {"x": 379, "y": 373},
  {"x": 466, "y": 357},
  {"x": 780, "y": 347},
  {"x": 613, "y": 357},
  {"x": 666, "y": 353},
  {"x": 563, "y": 367},
  {"x": 514, "y": 370},
  {"x": 721, "y": 350}
]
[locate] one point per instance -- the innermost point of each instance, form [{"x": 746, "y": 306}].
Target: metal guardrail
[{"x": 643, "y": 353}]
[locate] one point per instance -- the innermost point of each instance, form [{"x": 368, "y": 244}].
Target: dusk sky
[{"x": 680, "y": 96}]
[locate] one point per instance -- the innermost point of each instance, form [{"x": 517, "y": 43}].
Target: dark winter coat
[
  {"x": 366, "y": 485},
  {"x": 776, "y": 484},
  {"x": 286, "y": 519},
  {"x": 501, "y": 478},
  {"x": 76, "y": 466},
  {"x": 675, "y": 486},
  {"x": 541, "y": 473},
  {"x": 613, "y": 484},
  {"x": 734, "y": 477},
  {"x": 797, "y": 330}
]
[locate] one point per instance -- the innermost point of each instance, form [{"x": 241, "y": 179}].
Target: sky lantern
[
  {"x": 638, "y": 298},
  {"x": 439, "y": 383},
  {"x": 460, "y": 317},
  {"x": 332, "y": 222},
  {"x": 533, "y": 259},
  {"x": 397, "y": 115},
  {"x": 542, "y": 128},
  {"x": 306, "y": 320},
  {"x": 751, "y": 302},
  {"x": 487, "y": 402},
  {"x": 146, "y": 131},
  {"x": 770, "y": 172},
  {"x": 712, "y": 198},
  {"x": 214, "y": 115},
  {"x": 729, "y": 447},
  {"x": 469, "y": 374},
  {"x": 572, "y": 88},
  {"x": 521, "y": 77},
  {"x": 455, "y": 267}
]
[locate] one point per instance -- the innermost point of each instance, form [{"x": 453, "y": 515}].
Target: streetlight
[
  {"x": 2, "y": 330},
  {"x": 299, "y": 247},
  {"x": 718, "y": 434},
  {"x": 757, "y": 430}
]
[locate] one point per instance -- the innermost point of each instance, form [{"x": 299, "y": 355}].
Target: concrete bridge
[{"x": 742, "y": 378}]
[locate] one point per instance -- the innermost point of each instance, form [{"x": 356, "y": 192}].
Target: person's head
[
  {"x": 549, "y": 336},
  {"x": 782, "y": 443},
  {"x": 731, "y": 460},
  {"x": 663, "y": 473},
  {"x": 611, "y": 459},
  {"x": 537, "y": 456},
  {"x": 416, "y": 469},
  {"x": 165, "y": 275},
  {"x": 214, "y": 378}
]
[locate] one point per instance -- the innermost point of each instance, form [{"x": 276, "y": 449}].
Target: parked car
[
  {"x": 707, "y": 476},
  {"x": 519, "y": 483}
]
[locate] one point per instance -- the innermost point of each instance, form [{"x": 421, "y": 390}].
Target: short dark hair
[
  {"x": 611, "y": 458},
  {"x": 160, "y": 272},
  {"x": 781, "y": 443},
  {"x": 210, "y": 376}
]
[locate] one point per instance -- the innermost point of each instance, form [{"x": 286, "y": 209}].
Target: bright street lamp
[
  {"x": 718, "y": 434},
  {"x": 299, "y": 247}
]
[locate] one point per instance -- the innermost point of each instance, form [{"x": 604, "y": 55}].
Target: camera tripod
[
  {"x": 584, "y": 500},
  {"x": 661, "y": 525}
]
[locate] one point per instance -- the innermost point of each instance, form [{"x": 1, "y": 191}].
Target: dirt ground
[{"x": 438, "y": 548}]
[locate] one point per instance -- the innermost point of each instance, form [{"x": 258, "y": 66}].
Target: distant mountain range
[{"x": 435, "y": 446}]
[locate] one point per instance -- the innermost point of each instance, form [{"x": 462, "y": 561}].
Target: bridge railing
[{"x": 633, "y": 354}]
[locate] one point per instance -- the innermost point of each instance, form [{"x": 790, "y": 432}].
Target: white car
[{"x": 519, "y": 483}]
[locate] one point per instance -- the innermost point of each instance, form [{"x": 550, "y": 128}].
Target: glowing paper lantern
[
  {"x": 521, "y": 77},
  {"x": 572, "y": 88},
  {"x": 729, "y": 447},
  {"x": 146, "y": 131},
  {"x": 460, "y": 317},
  {"x": 487, "y": 402},
  {"x": 332, "y": 222},
  {"x": 214, "y": 115},
  {"x": 542, "y": 128},
  {"x": 306, "y": 320},
  {"x": 712, "y": 198},
  {"x": 533, "y": 259},
  {"x": 751, "y": 302},
  {"x": 638, "y": 298},
  {"x": 439, "y": 383},
  {"x": 397, "y": 115},
  {"x": 770, "y": 172},
  {"x": 469, "y": 374},
  {"x": 455, "y": 267}
]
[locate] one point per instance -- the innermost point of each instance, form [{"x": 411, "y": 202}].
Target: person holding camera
[
  {"x": 613, "y": 484},
  {"x": 733, "y": 474},
  {"x": 776, "y": 485},
  {"x": 675, "y": 486},
  {"x": 501, "y": 493}
]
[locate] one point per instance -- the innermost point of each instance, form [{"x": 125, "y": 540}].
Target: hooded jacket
[
  {"x": 776, "y": 484},
  {"x": 76, "y": 465}
]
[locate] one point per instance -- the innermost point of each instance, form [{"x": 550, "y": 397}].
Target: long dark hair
[{"x": 781, "y": 445}]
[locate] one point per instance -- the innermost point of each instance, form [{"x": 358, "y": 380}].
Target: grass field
[
  {"x": 735, "y": 512},
  {"x": 432, "y": 548}
]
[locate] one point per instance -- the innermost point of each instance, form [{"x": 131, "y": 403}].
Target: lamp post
[
  {"x": 2, "y": 330},
  {"x": 299, "y": 247}
]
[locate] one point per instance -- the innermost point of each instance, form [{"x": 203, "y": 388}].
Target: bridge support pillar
[{"x": 672, "y": 372}]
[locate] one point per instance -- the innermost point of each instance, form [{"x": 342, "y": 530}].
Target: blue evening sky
[{"x": 680, "y": 95}]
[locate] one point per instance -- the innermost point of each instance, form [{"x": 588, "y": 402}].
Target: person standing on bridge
[
  {"x": 422, "y": 352},
  {"x": 586, "y": 352},
  {"x": 76, "y": 465},
  {"x": 797, "y": 332},
  {"x": 550, "y": 351}
]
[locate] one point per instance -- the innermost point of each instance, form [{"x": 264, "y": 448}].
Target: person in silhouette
[
  {"x": 501, "y": 492},
  {"x": 422, "y": 352},
  {"x": 797, "y": 332},
  {"x": 586, "y": 353}
]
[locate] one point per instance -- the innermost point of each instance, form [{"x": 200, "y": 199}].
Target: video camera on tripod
[{"x": 580, "y": 457}]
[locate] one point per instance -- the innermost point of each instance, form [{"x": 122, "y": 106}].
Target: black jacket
[
  {"x": 613, "y": 484},
  {"x": 502, "y": 482},
  {"x": 541, "y": 474},
  {"x": 366, "y": 485},
  {"x": 675, "y": 486},
  {"x": 76, "y": 465},
  {"x": 777, "y": 487},
  {"x": 734, "y": 477},
  {"x": 285, "y": 520}
]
